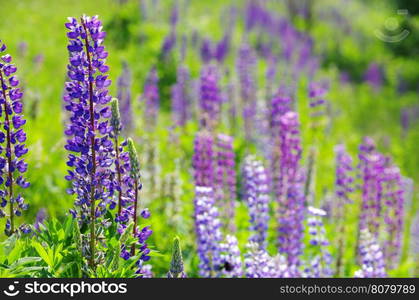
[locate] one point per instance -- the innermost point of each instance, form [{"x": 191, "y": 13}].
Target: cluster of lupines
[
  {"x": 291, "y": 197},
  {"x": 228, "y": 263},
  {"x": 12, "y": 148},
  {"x": 180, "y": 97},
  {"x": 371, "y": 257},
  {"x": 320, "y": 264},
  {"x": 225, "y": 179},
  {"x": 207, "y": 229},
  {"x": 100, "y": 170},
  {"x": 259, "y": 264},
  {"x": 382, "y": 200},
  {"x": 215, "y": 50},
  {"x": 151, "y": 98},
  {"x": 89, "y": 143},
  {"x": 256, "y": 194}
]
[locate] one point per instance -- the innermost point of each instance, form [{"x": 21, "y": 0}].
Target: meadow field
[{"x": 212, "y": 138}]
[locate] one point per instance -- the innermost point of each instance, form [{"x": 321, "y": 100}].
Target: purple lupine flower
[
  {"x": 343, "y": 188},
  {"x": 393, "y": 212},
  {"x": 414, "y": 241},
  {"x": 152, "y": 98},
  {"x": 321, "y": 260},
  {"x": 208, "y": 231},
  {"x": 12, "y": 138},
  {"x": 222, "y": 48},
  {"x": 291, "y": 195},
  {"x": 374, "y": 76},
  {"x": 256, "y": 196},
  {"x": 180, "y": 97},
  {"x": 225, "y": 179},
  {"x": 210, "y": 98},
  {"x": 203, "y": 159},
  {"x": 40, "y": 218},
  {"x": 229, "y": 263},
  {"x": 372, "y": 165},
  {"x": 280, "y": 105},
  {"x": 259, "y": 264},
  {"x": 206, "y": 51},
  {"x": 344, "y": 177},
  {"x": 169, "y": 43},
  {"x": 124, "y": 97},
  {"x": 372, "y": 258},
  {"x": 316, "y": 93},
  {"x": 246, "y": 66},
  {"x": 89, "y": 144},
  {"x": 146, "y": 271}
]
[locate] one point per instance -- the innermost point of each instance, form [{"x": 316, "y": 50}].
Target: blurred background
[{"x": 367, "y": 51}]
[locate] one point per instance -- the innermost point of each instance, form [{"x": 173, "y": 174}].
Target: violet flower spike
[
  {"x": 89, "y": 144},
  {"x": 256, "y": 195},
  {"x": 13, "y": 137}
]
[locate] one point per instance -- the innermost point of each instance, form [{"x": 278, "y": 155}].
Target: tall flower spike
[
  {"x": 207, "y": 229},
  {"x": 152, "y": 98},
  {"x": 246, "y": 66},
  {"x": 344, "y": 187},
  {"x": 320, "y": 263},
  {"x": 180, "y": 97},
  {"x": 291, "y": 197},
  {"x": 225, "y": 180},
  {"x": 210, "y": 98},
  {"x": 203, "y": 159},
  {"x": 12, "y": 147},
  {"x": 256, "y": 196},
  {"x": 176, "y": 265},
  {"x": 414, "y": 242},
  {"x": 86, "y": 98},
  {"x": 393, "y": 212},
  {"x": 372, "y": 258}
]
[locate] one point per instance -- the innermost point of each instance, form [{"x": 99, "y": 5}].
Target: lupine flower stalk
[
  {"x": 280, "y": 105},
  {"x": 225, "y": 179},
  {"x": 372, "y": 257},
  {"x": 134, "y": 185},
  {"x": 259, "y": 264},
  {"x": 176, "y": 265},
  {"x": 229, "y": 262},
  {"x": 152, "y": 98},
  {"x": 320, "y": 263},
  {"x": 203, "y": 159},
  {"x": 180, "y": 97},
  {"x": 246, "y": 66},
  {"x": 256, "y": 195},
  {"x": 393, "y": 206},
  {"x": 210, "y": 98},
  {"x": 414, "y": 242},
  {"x": 207, "y": 229},
  {"x": 291, "y": 197},
  {"x": 344, "y": 187},
  {"x": 372, "y": 165},
  {"x": 89, "y": 143},
  {"x": 12, "y": 148}
]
